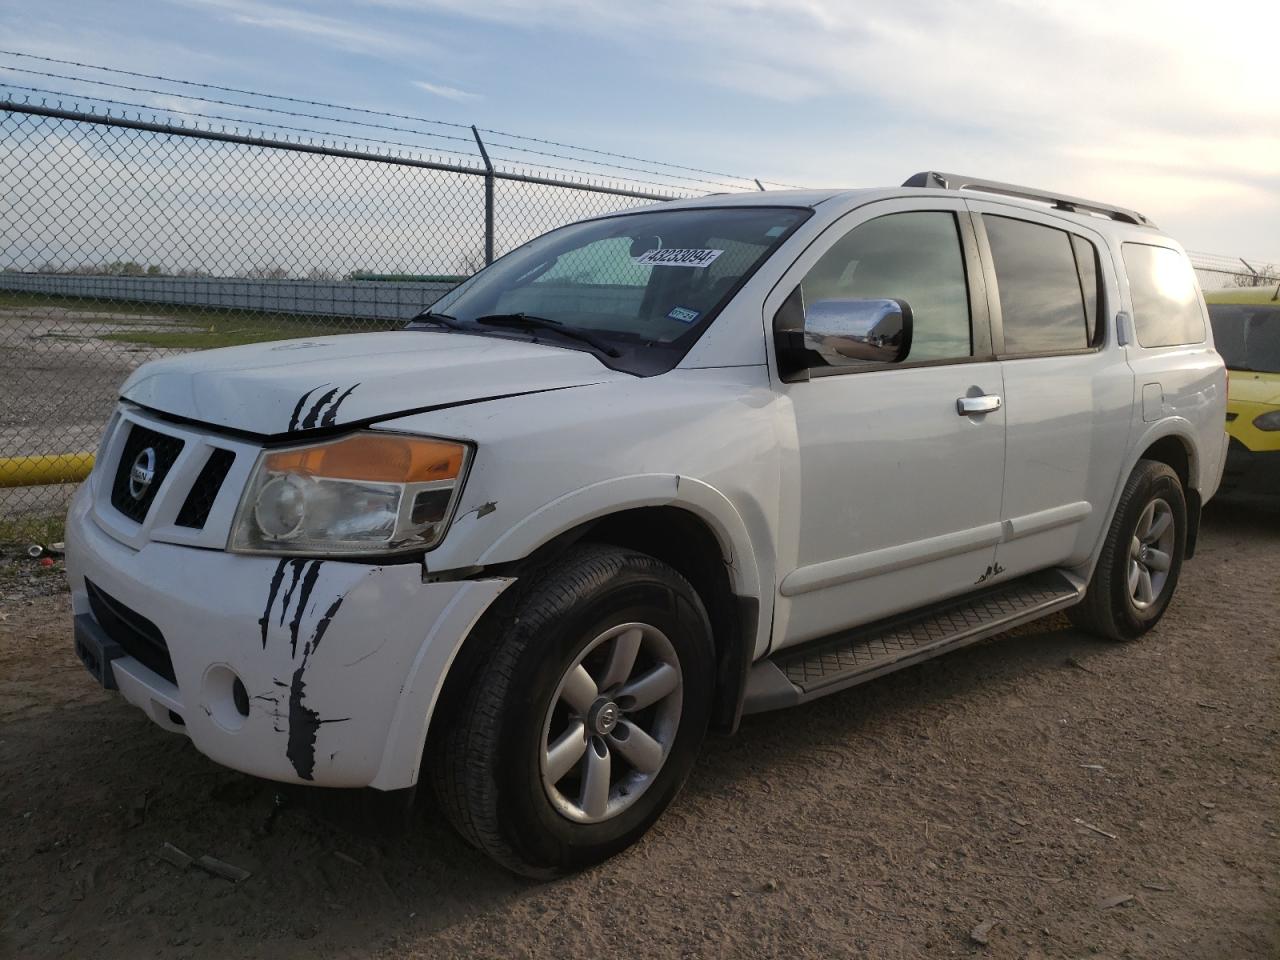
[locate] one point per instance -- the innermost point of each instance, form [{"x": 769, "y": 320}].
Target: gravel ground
[
  {"x": 58, "y": 383},
  {"x": 58, "y": 377},
  {"x": 1051, "y": 794}
]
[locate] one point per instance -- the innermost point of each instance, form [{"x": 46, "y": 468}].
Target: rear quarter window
[{"x": 1166, "y": 307}]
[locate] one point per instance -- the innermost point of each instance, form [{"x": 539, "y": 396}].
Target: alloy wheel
[
  {"x": 1151, "y": 553},
  {"x": 612, "y": 722}
]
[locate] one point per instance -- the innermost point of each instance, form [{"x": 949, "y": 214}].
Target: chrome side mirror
[{"x": 849, "y": 332}]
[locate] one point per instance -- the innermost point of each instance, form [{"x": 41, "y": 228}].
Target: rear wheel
[
  {"x": 585, "y": 719},
  {"x": 1138, "y": 569}
]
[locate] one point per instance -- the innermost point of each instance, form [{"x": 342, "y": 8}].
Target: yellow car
[{"x": 1246, "y": 331}]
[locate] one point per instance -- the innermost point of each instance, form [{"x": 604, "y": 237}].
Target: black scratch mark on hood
[
  {"x": 328, "y": 419},
  {"x": 297, "y": 410},
  {"x": 304, "y": 722},
  {"x": 314, "y": 412},
  {"x": 308, "y": 584},
  {"x": 276, "y": 579}
]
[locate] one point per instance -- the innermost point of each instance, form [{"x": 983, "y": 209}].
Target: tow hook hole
[
  {"x": 241, "y": 697},
  {"x": 176, "y": 719}
]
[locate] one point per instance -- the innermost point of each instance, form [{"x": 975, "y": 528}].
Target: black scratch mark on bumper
[
  {"x": 293, "y": 585},
  {"x": 276, "y": 580},
  {"x": 304, "y": 722},
  {"x": 323, "y": 625},
  {"x": 308, "y": 584}
]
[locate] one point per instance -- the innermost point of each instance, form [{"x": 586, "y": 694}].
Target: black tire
[
  {"x": 1109, "y": 609},
  {"x": 485, "y": 763}
]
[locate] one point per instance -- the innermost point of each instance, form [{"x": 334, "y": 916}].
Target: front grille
[
  {"x": 195, "y": 509},
  {"x": 137, "y": 636},
  {"x": 165, "y": 450}
]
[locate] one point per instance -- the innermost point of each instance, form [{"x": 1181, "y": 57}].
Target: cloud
[
  {"x": 1169, "y": 101},
  {"x": 332, "y": 31},
  {"x": 449, "y": 93}
]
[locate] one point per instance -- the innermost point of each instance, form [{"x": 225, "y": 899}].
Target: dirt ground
[{"x": 887, "y": 821}]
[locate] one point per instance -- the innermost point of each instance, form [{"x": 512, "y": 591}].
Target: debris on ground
[
  {"x": 220, "y": 868},
  {"x": 1073, "y": 662},
  {"x": 1115, "y": 900},
  {"x": 982, "y": 932},
  {"x": 138, "y": 809},
  {"x": 171, "y": 854},
  {"x": 1097, "y": 830}
]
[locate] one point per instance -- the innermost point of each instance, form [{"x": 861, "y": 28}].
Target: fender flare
[
  {"x": 1178, "y": 427},
  {"x": 627, "y": 493}
]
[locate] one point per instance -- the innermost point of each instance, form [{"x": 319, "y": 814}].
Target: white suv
[{"x": 645, "y": 474}]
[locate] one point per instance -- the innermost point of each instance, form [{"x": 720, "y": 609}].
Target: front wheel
[
  {"x": 585, "y": 719},
  {"x": 1138, "y": 569}
]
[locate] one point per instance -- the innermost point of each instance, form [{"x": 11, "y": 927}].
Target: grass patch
[
  {"x": 1243, "y": 295},
  {"x": 205, "y": 328},
  {"x": 20, "y": 531}
]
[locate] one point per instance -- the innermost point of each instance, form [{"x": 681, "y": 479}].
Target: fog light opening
[
  {"x": 176, "y": 719},
  {"x": 225, "y": 698}
]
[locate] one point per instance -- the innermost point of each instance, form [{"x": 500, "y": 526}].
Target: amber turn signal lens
[{"x": 375, "y": 458}]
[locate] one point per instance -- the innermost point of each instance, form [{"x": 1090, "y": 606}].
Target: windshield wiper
[
  {"x": 527, "y": 321},
  {"x": 439, "y": 319}
]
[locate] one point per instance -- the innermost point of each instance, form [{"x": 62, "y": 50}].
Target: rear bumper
[
  {"x": 1251, "y": 472},
  {"x": 340, "y": 662}
]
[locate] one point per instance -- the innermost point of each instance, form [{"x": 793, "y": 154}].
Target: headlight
[
  {"x": 1268, "y": 421},
  {"x": 370, "y": 493}
]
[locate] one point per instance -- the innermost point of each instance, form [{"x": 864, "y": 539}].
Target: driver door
[{"x": 894, "y": 493}]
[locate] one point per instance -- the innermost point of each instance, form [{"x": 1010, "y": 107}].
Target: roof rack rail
[{"x": 1059, "y": 201}]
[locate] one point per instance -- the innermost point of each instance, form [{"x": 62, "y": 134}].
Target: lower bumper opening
[{"x": 135, "y": 634}]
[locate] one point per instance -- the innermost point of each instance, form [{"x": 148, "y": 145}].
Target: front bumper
[
  {"x": 341, "y": 662},
  {"x": 1251, "y": 471}
]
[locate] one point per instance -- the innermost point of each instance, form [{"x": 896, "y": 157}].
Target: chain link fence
[
  {"x": 1234, "y": 273},
  {"x": 124, "y": 240}
]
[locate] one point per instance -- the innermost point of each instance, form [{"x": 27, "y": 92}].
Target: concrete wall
[{"x": 367, "y": 299}]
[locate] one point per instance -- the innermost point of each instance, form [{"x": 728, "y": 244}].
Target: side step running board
[{"x": 800, "y": 674}]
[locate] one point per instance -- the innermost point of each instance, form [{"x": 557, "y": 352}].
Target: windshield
[
  {"x": 1247, "y": 335},
  {"x": 642, "y": 286}
]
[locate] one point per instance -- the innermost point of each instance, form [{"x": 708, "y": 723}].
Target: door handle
[{"x": 968, "y": 406}]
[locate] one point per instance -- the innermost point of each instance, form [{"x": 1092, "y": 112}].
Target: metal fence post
[{"x": 488, "y": 198}]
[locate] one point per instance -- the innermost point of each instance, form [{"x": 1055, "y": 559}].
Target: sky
[{"x": 1167, "y": 107}]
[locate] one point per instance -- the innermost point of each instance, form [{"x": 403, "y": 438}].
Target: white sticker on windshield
[
  {"x": 683, "y": 314},
  {"x": 678, "y": 258}
]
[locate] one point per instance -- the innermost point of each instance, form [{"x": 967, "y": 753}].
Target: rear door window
[
  {"x": 1166, "y": 307},
  {"x": 1046, "y": 305}
]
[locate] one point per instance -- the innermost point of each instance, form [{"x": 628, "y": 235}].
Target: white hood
[{"x": 276, "y": 388}]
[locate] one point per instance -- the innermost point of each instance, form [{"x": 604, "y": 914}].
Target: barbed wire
[
  {"x": 312, "y": 116},
  {"x": 359, "y": 149},
  {"x": 334, "y": 138},
  {"x": 380, "y": 113}
]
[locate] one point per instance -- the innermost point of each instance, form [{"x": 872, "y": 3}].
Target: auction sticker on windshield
[{"x": 678, "y": 258}]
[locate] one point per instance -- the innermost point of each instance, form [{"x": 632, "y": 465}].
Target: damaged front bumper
[{"x": 298, "y": 670}]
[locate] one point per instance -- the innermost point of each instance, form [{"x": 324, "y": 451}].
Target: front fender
[{"x": 627, "y": 493}]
